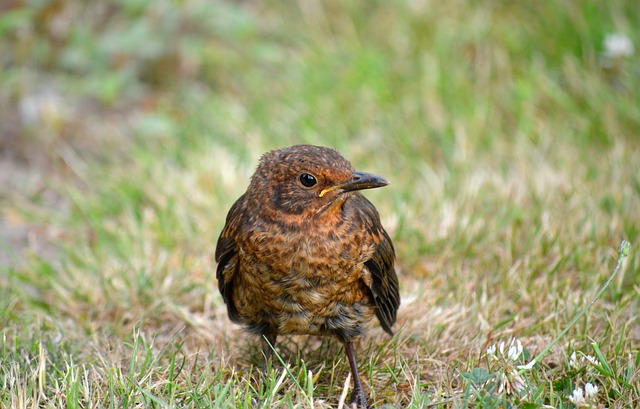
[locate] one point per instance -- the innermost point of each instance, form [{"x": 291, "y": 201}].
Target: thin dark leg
[
  {"x": 268, "y": 343},
  {"x": 357, "y": 396}
]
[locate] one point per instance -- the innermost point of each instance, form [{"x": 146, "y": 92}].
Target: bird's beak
[{"x": 360, "y": 181}]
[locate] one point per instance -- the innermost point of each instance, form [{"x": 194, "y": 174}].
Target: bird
[{"x": 302, "y": 251}]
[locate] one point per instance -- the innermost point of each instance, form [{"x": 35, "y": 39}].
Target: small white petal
[
  {"x": 572, "y": 359},
  {"x": 491, "y": 350},
  {"x": 528, "y": 366},
  {"x": 577, "y": 397},
  {"x": 501, "y": 348},
  {"x": 592, "y": 360},
  {"x": 503, "y": 382},
  {"x": 618, "y": 45},
  {"x": 518, "y": 383},
  {"x": 513, "y": 353},
  {"x": 590, "y": 390}
]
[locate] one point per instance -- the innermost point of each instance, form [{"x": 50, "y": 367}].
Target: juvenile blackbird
[{"x": 303, "y": 252}]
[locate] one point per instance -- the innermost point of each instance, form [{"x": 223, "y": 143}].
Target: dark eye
[{"x": 307, "y": 180}]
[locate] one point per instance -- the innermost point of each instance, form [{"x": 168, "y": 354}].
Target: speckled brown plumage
[{"x": 298, "y": 257}]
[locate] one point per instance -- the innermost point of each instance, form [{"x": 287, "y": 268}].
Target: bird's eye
[{"x": 307, "y": 180}]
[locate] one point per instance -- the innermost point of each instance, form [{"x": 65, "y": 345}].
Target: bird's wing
[
  {"x": 227, "y": 255},
  {"x": 384, "y": 281}
]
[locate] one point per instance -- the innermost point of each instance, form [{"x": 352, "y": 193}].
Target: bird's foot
[{"x": 359, "y": 400}]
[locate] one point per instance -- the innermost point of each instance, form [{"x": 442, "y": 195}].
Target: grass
[{"x": 509, "y": 137}]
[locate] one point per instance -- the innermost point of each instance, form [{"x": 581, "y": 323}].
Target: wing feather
[
  {"x": 227, "y": 256},
  {"x": 384, "y": 281}
]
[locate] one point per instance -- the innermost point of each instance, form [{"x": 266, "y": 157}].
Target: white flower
[
  {"x": 491, "y": 350},
  {"x": 511, "y": 383},
  {"x": 590, "y": 390},
  {"x": 577, "y": 398},
  {"x": 505, "y": 356},
  {"x": 573, "y": 360},
  {"x": 513, "y": 350},
  {"x": 592, "y": 360},
  {"x": 578, "y": 363},
  {"x": 618, "y": 45}
]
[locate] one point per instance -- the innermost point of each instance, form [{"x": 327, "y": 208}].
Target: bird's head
[{"x": 307, "y": 179}]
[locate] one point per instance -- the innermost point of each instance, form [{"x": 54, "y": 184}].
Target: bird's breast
[{"x": 306, "y": 281}]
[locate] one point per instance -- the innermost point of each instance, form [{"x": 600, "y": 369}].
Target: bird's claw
[{"x": 359, "y": 400}]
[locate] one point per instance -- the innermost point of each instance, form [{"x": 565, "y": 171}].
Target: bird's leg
[
  {"x": 358, "y": 396},
  {"x": 268, "y": 344}
]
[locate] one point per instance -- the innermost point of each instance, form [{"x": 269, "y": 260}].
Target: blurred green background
[{"x": 98, "y": 94}]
